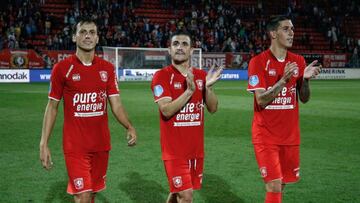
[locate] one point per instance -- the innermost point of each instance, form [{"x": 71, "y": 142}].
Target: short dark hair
[
  {"x": 181, "y": 32},
  {"x": 83, "y": 20},
  {"x": 274, "y": 22}
]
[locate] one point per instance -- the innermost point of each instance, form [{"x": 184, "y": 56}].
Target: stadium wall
[
  {"x": 36, "y": 75},
  {"x": 24, "y": 66}
]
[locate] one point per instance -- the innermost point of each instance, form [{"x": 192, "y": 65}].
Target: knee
[
  {"x": 274, "y": 186},
  {"x": 185, "y": 196},
  {"x": 83, "y": 197}
]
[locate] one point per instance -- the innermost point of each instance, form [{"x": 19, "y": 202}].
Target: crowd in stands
[{"x": 216, "y": 26}]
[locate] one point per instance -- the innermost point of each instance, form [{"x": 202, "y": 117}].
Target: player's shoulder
[
  {"x": 103, "y": 63},
  {"x": 65, "y": 61},
  {"x": 159, "y": 76},
  {"x": 294, "y": 56},
  {"x": 64, "y": 64},
  {"x": 262, "y": 56},
  {"x": 164, "y": 71}
]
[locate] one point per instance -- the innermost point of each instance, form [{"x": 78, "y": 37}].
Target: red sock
[{"x": 273, "y": 197}]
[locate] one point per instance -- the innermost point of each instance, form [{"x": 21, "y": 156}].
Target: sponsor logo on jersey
[
  {"x": 189, "y": 115},
  {"x": 76, "y": 77},
  {"x": 253, "y": 80},
  {"x": 103, "y": 76},
  {"x": 199, "y": 84},
  {"x": 263, "y": 172},
  {"x": 284, "y": 100},
  {"x": 272, "y": 72},
  {"x": 79, "y": 183},
  {"x": 177, "y": 85},
  {"x": 89, "y": 104},
  {"x": 177, "y": 181},
  {"x": 158, "y": 90}
]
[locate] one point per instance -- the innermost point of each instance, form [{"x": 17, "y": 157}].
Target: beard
[{"x": 178, "y": 62}]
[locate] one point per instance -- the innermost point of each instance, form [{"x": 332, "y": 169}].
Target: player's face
[
  {"x": 86, "y": 36},
  {"x": 284, "y": 34},
  {"x": 180, "y": 49}
]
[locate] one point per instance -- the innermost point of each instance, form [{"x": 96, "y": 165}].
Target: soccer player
[
  {"x": 181, "y": 91},
  {"x": 85, "y": 82},
  {"x": 278, "y": 77}
]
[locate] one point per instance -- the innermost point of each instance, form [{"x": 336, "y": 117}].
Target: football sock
[{"x": 273, "y": 197}]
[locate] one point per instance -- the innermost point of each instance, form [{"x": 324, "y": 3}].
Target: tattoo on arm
[
  {"x": 267, "y": 96},
  {"x": 305, "y": 91}
]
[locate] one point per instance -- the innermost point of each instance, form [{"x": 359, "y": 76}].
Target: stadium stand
[{"x": 217, "y": 26}]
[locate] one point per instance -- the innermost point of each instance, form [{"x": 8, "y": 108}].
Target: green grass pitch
[{"x": 330, "y": 150}]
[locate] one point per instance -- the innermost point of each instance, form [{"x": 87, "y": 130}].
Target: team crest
[
  {"x": 296, "y": 72},
  {"x": 76, "y": 77},
  {"x": 19, "y": 60},
  {"x": 199, "y": 84},
  {"x": 263, "y": 172},
  {"x": 79, "y": 183},
  {"x": 103, "y": 76},
  {"x": 177, "y": 85},
  {"x": 272, "y": 72},
  {"x": 177, "y": 181}
]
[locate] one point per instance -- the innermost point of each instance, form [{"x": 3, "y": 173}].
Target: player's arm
[
  {"x": 212, "y": 77},
  {"x": 48, "y": 125},
  {"x": 121, "y": 116},
  {"x": 169, "y": 107},
  {"x": 310, "y": 71},
  {"x": 264, "y": 97}
]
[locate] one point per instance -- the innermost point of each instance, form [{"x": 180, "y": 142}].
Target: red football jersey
[
  {"x": 181, "y": 136},
  {"x": 278, "y": 123},
  {"x": 85, "y": 90}
]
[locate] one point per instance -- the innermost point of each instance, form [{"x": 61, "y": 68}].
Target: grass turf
[{"x": 330, "y": 155}]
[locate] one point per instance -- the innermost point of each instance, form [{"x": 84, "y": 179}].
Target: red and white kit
[
  {"x": 275, "y": 129},
  {"x": 84, "y": 90},
  {"x": 182, "y": 135}
]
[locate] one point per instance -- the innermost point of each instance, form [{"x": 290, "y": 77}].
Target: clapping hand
[
  {"x": 190, "y": 81},
  {"x": 213, "y": 75},
  {"x": 312, "y": 70}
]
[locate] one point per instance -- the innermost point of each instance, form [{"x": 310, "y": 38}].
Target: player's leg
[
  {"x": 172, "y": 198},
  {"x": 84, "y": 197},
  {"x": 196, "y": 169},
  {"x": 99, "y": 165},
  {"x": 268, "y": 160},
  {"x": 179, "y": 179},
  {"x": 185, "y": 196},
  {"x": 290, "y": 164},
  {"x": 180, "y": 197},
  {"x": 78, "y": 168},
  {"x": 93, "y": 195}
]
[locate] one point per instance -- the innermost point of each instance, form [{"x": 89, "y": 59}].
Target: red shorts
[
  {"x": 278, "y": 162},
  {"x": 184, "y": 174},
  {"x": 86, "y": 171}
]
